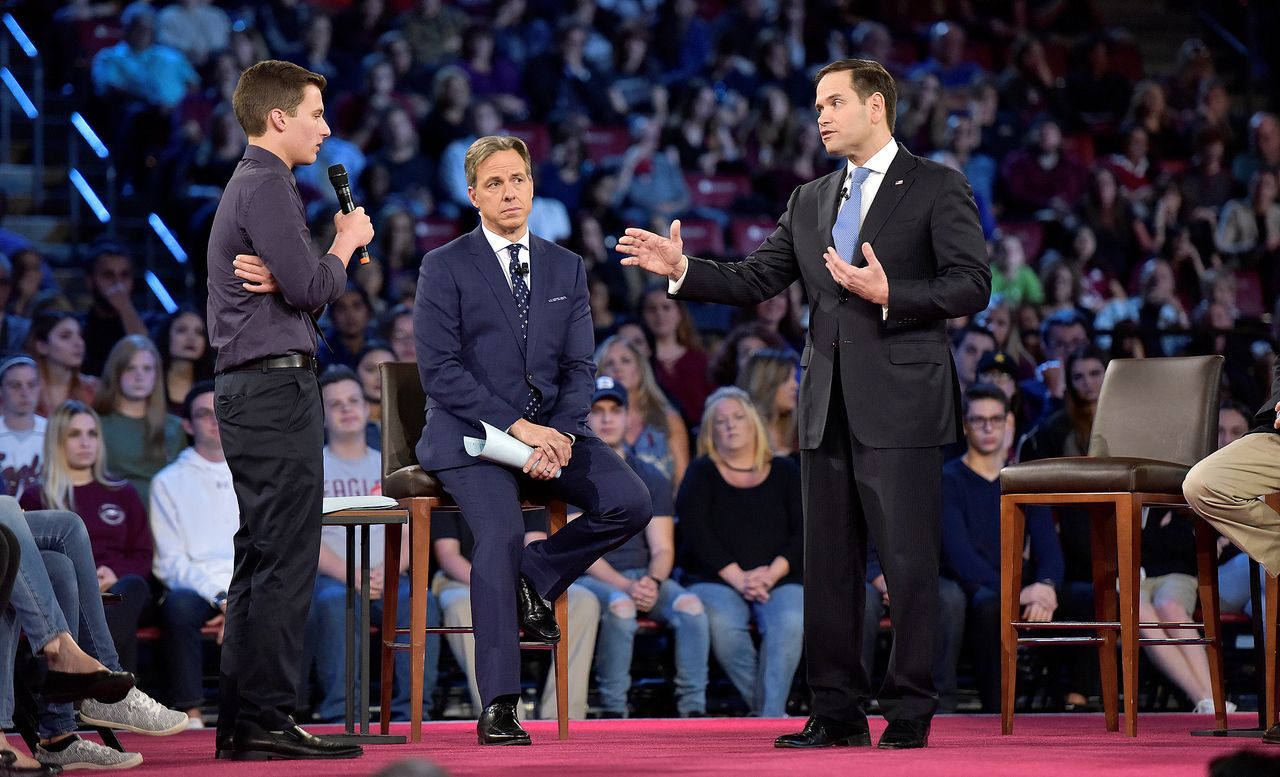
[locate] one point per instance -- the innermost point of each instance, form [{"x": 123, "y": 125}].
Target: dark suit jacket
[
  {"x": 897, "y": 376},
  {"x": 472, "y": 360}
]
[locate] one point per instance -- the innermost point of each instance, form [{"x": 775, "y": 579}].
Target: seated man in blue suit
[{"x": 504, "y": 336}]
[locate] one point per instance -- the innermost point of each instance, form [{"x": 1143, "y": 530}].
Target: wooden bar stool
[
  {"x": 1155, "y": 419},
  {"x": 403, "y": 416}
]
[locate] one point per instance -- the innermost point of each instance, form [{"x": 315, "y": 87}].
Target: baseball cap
[
  {"x": 14, "y": 361},
  {"x": 998, "y": 360},
  {"x": 608, "y": 388}
]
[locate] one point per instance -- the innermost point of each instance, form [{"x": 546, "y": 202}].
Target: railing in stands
[
  {"x": 85, "y": 134},
  {"x": 15, "y": 96}
]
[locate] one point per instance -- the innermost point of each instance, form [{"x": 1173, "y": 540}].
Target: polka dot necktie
[{"x": 520, "y": 290}]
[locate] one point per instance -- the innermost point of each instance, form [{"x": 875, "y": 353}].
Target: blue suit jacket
[{"x": 474, "y": 364}]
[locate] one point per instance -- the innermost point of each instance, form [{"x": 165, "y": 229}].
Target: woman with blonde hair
[
  {"x": 57, "y": 343},
  {"x": 139, "y": 435},
  {"x": 743, "y": 543},
  {"x": 655, "y": 432},
  {"x": 76, "y": 480},
  {"x": 769, "y": 377}
]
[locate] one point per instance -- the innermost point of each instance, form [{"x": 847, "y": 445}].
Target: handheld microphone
[{"x": 342, "y": 186}]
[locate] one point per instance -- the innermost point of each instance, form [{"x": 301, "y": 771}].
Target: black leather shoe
[
  {"x": 904, "y": 735},
  {"x": 498, "y": 725},
  {"x": 536, "y": 618},
  {"x": 104, "y": 685},
  {"x": 254, "y": 743},
  {"x": 1272, "y": 735},
  {"x": 9, "y": 767},
  {"x": 824, "y": 732}
]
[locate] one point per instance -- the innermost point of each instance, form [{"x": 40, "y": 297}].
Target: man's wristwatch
[{"x": 220, "y": 600}]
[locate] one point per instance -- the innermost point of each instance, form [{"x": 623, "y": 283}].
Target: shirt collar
[
  {"x": 879, "y": 161},
  {"x": 499, "y": 243},
  {"x": 268, "y": 159}
]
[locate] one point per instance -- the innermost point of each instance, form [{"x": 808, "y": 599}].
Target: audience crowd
[{"x": 1129, "y": 214}]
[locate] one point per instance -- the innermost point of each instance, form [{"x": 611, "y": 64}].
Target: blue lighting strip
[
  {"x": 162, "y": 294},
  {"x": 89, "y": 195},
  {"x": 89, "y": 135},
  {"x": 20, "y": 35},
  {"x": 28, "y": 107},
  {"x": 166, "y": 237}
]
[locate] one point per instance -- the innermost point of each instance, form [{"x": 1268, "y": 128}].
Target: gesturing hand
[
  {"x": 257, "y": 278},
  {"x": 868, "y": 282},
  {"x": 655, "y": 253}
]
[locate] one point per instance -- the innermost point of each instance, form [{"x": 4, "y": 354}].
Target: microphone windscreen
[{"x": 338, "y": 175}]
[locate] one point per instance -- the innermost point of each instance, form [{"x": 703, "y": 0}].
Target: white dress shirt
[{"x": 499, "y": 244}]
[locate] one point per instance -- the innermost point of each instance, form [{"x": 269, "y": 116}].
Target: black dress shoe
[
  {"x": 104, "y": 685},
  {"x": 9, "y": 767},
  {"x": 498, "y": 725},
  {"x": 1272, "y": 735},
  {"x": 825, "y": 732},
  {"x": 254, "y": 743},
  {"x": 536, "y": 618},
  {"x": 904, "y": 735}
]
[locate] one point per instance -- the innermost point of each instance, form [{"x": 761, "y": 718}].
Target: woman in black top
[{"x": 739, "y": 511}]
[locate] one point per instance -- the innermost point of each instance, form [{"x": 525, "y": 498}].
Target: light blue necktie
[{"x": 849, "y": 221}]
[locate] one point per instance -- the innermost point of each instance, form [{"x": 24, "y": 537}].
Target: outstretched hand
[
  {"x": 655, "y": 253},
  {"x": 869, "y": 282}
]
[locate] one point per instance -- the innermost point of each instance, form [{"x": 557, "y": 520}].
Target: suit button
[
  {"x": 529, "y": 377},
  {"x": 834, "y": 344}
]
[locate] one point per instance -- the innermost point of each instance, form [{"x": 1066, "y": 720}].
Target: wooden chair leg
[
  {"x": 419, "y": 583},
  {"x": 1012, "y": 532},
  {"x": 1102, "y": 540},
  {"x": 1207, "y": 569},
  {"x": 562, "y": 666},
  {"x": 1128, "y": 561},
  {"x": 556, "y": 520},
  {"x": 1272, "y": 626},
  {"x": 391, "y": 597}
]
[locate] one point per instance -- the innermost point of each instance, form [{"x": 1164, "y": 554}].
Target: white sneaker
[
  {"x": 1205, "y": 707},
  {"x": 136, "y": 712},
  {"x": 83, "y": 754}
]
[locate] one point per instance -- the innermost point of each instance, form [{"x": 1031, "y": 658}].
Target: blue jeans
[
  {"x": 617, "y": 639},
  {"x": 1233, "y": 585},
  {"x": 764, "y": 678},
  {"x": 326, "y": 635},
  {"x": 183, "y": 613},
  {"x": 57, "y": 576}
]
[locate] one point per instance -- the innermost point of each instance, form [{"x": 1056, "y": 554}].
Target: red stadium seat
[
  {"x": 603, "y": 142},
  {"x": 535, "y": 136},
  {"x": 1031, "y": 233},
  {"x": 1079, "y": 147},
  {"x": 702, "y": 237},
  {"x": 434, "y": 232},
  {"x": 746, "y": 233},
  {"x": 716, "y": 191}
]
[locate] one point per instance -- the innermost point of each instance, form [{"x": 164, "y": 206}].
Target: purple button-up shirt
[{"x": 261, "y": 213}]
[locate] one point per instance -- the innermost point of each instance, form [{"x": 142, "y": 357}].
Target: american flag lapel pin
[{"x": 898, "y": 182}]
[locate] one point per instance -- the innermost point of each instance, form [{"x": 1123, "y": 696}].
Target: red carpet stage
[{"x": 960, "y": 746}]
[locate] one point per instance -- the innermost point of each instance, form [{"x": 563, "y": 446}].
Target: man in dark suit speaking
[
  {"x": 504, "y": 336},
  {"x": 888, "y": 247}
]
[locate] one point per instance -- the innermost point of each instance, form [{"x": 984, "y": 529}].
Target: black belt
[{"x": 292, "y": 361}]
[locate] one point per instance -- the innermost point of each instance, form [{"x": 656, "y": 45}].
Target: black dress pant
[
  {"x": 893, "y": 495},
  {"x": 272, "y": 427}
]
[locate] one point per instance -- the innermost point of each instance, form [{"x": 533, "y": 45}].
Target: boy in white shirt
[
  {"x": 21, "y": 430},
  {"x": 194, "y": 516}
]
